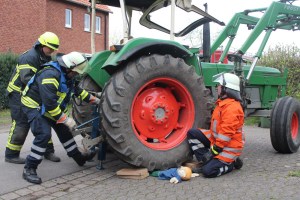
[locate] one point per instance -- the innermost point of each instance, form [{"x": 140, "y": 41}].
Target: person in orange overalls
[{"x": 219, "y": 148}]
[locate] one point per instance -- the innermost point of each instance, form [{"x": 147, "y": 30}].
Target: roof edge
[{"x": 82, "y": 4}]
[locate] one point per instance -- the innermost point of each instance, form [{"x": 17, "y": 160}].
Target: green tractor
[{"x": 153, "y": 91}]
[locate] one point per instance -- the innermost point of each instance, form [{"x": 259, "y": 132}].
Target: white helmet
[
  {"x": 75, "y": 61},
  {"x": 228, "y": 80}
]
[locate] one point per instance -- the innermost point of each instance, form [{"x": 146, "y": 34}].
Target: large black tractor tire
[
  {"x": 285, "y": 129},
  {"x": 82, "y": 111},
  {"x": 141, "y": 102}
]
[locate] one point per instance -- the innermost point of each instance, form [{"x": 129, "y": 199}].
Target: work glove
[
  {"x": 69, "y": 122},
  {"x": 94, "y": 100},
  {"x": 174, "y": 180},
  {"x": 215, "y": 150}
]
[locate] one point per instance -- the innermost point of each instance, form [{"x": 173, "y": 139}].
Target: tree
[
  {"x": 194, "y": 38},
  {"x": 285, "y": 57}
]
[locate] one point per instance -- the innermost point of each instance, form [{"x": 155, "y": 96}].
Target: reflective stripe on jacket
[
  {"x": 226, "y": 129},
  {"x": 50, "y": 91},
  {"x": 27, "y": 65}
]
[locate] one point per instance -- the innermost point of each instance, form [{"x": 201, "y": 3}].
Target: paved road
[{"x": 265, "y": 175}]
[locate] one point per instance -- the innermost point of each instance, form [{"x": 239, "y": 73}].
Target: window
[
  {"x": 87, "y": 22},
  {"x": 68, "y": 23},
  {"x": 98, "y": 25}
]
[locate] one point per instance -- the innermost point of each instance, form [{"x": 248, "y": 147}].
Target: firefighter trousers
[
  {"x": 200, "y": 145},
  {"x": 19, "y": 128},
  {"x": 41, "y": 129}
]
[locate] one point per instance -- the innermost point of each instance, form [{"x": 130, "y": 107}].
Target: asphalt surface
[{"x": 265, "y": 175}]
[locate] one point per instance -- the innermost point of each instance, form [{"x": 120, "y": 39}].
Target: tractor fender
[{"x": 144, "y": 46}]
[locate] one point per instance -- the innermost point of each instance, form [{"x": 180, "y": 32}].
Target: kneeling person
[
  {"x": 45, "y": 101},
  {"x": 219, "y": 148}
]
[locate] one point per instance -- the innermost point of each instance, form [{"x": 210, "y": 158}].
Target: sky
[{"x": 220, "y": 9}]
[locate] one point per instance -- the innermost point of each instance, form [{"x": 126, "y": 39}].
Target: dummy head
[{"x": 185, "y": 173}]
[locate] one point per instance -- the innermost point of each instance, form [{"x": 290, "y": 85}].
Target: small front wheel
[{"x": 285, "y": 129}]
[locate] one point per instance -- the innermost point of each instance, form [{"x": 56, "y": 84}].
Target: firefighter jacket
[
  {"x": 50, "y": 91},
  {"x": 226, "y": 129},
  {"x": 27, "y": 65}
]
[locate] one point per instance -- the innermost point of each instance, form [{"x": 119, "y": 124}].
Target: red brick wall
[
  {"x": 75, "y": 38},
  {"x": 23, "y": 21}
]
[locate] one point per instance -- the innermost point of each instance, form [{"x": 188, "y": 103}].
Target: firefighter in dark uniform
[
  {"x": 45, "y": 100},
  {"x": 28, "y": 64}
]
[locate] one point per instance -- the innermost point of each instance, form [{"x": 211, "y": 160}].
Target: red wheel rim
[
  {"x": 162, "y": 112},
  {"x": 295, "y": 126}
]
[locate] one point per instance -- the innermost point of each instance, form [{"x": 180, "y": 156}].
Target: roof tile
[{"x": 98, "y": 6}]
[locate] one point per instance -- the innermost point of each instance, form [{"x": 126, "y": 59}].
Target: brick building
[{"x": 23, "y": 21}]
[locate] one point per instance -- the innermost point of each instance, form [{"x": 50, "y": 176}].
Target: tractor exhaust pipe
[{"x": 206, "y": 40}]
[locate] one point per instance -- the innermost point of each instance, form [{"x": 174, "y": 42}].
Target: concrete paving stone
[
  {"x": 46, "y": 198},
  {"x": 64, "y": 186},
  {"x": 40, "y": 193},
  {"x": 10, "y": 196},
  {"x": 59, "y": 194},
  {"x": 69, "y": 177},
  {"x": 86, "y": 177},
  {"x": 72, "y": 189},
  {"x": 23, "y": 192},
  {"x": 48, "y": 184},
  {"x": 36, "y": 187},
  {"x": 78, "y": 174},
  {"x": 91, "y": 182},
  {"x": 104, "y": 177},
  {"x": 59, "y": 180},
  {"x": 27, "y": 197},
  {"x": 89, "y": 171},
  {"x": 74, "y": 182},
  {"x": 52, "y": 189},
  {"x": 80, "y": 186}
]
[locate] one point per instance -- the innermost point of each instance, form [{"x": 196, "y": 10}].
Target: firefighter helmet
[
  {"x": 50, "y": 40},
  {"x": 75, "y": 61},
  {"x": 228, "y": 80}
]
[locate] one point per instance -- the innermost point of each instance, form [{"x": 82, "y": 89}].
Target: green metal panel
[
  {"x": 99, "y": 75},
  {"x": 100, "y": 61},
  {"x": 138, "y": 44},
  {"x": 270, "y": 81}
]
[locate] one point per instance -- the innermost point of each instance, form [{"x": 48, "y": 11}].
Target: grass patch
[
  {"x": 294, "y": 173},
  {"x": 251, "y": 121},
  {"x": 5, "y": 117}
]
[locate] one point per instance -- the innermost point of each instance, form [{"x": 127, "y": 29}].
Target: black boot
[
  {"x": 238, "y": 163},
  {"x": 15, "y": 160},
  {"x": 81, "y": 158},
  {"x": 30, "y": 175},
  {"x": 13, "y": 156},
  {"x": 52, "y": 157}
]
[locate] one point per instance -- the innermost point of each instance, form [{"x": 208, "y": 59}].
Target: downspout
[
  {"x": 93, "y": 48},
  {"x": 105, "y": 32}
]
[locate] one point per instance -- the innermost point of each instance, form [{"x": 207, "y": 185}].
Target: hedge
[
  {"x": 285, "y": 57},
  {"x": 8, "y": 62}
]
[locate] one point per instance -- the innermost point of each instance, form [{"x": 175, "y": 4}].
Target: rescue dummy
[{"x": 175, "y": 175}]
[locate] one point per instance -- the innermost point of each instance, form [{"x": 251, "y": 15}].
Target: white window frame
[
  {"x": 98, "y": 25},
  {"x": 68, "y": 18},
  {"x": 87, "y": 22}
]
